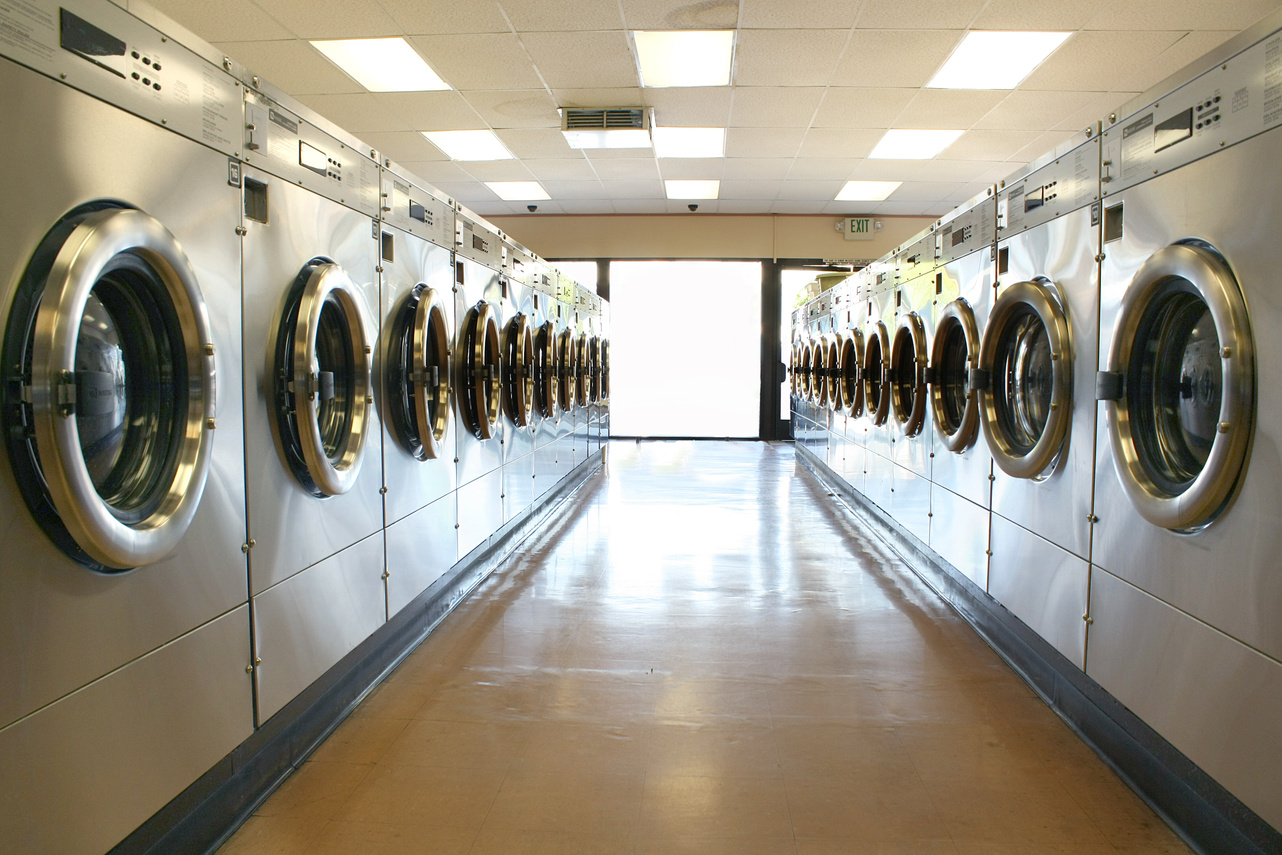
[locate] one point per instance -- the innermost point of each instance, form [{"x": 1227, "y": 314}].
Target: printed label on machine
[{"x": 27, "y": 32}]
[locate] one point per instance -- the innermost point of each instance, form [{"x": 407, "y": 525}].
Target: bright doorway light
[
  {"x": 995, "y": 60},
  {"x": 382, "y": 65},
  {"x": 684, "y": 57},
  {"x": 469, "y": 145},
  {"x": 913, "y": 144}
]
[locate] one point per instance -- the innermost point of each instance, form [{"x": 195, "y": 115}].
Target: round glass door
[
  {"x": 908, "y": 364},
  {"x": 109, "y": 415},
  {"x": 832, "y": 355},
  {"x": 581, "y": 370},
  {"x": 479, "y": 390},
  {"x": 518, "y": 371},
  {"x": 547, "y": 373},
  {"x": 794, "y": 374},
  {"x": 568, "y": 370},
  {"x": 819, "y": 371},
  {"x": 849, "y": 379},
  {"x": 954, "y": 354},
  {"x": 1027, "y": 353},
  {"x": 1182, "y": 429},
  {"x": 876, "y": 368},
  {"x": 594, "y": 369},
  {"x": 322, "y": 359},
  {"x": 605, "y": 371},
  {"x": 418, "y": 374},
  {"x": 807, "y": 378}
]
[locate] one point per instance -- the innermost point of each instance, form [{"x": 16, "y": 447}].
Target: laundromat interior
[{"x": 607, "y": 426}]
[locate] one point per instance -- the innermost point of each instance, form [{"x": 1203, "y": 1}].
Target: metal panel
[
  {"x": 89, "y": 769},
  {"x": 518, "y": 486},
  {"x": 1213, "y": 698},
  {"x": 420, "y": 548},
  {"x": 480, "y": 510},
  {"x": 959, "y": 533},
  {"x": 545, "y": 469},
  {"x": 409, "y": 206},
  {"x": 910, "y": 501},
  {"x": 305, "y": 624},
  {"x": 1042, "y": 584},
  {"x": 878, "y": 480},
  {"x": 853, "y": 464}
]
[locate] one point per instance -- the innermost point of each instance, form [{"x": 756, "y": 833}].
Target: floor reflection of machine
[
  {"x": 312, "y": 431},
  {"x": 961, "y": 488},
  {"x": 1037, "y": 361},
  {"x": 414, "y": 386},
  {"x": 1186, "y": 598},
  {"x": 121, "y": 493}
]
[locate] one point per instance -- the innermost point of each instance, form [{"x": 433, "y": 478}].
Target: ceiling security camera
[
  {"x": 531, "y": 208},
  {"x": 693, "y": 207}
]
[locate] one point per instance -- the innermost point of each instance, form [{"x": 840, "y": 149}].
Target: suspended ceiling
[{"x": 815, "y": 85}]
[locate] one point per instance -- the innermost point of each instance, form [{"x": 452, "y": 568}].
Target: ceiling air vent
[{"x": 606, "y": 127}]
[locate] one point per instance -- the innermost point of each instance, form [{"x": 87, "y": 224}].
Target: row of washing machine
[
  {"x": 1105, "y": 320},
  {"x": 261, "y": 391}
]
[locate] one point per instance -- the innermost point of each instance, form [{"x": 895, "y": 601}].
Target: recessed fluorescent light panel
[
  {"x": 518, "y": 191},
  {"x": 632, "y": 138},
  {"x": 684, "y": 57},
  {"x": 382, "y": 65},
  {"x": 867, "y": 191},
  {"x": 988, "y": 60},
  {"x": 690, "y": 142},
  {"x": 692, "y": 189},
  {"x": 913, "y": 145},
  {"x": 469, "y": 145}
]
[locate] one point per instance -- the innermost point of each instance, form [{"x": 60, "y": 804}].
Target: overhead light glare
[
  {"x": 631, "y": 138},
  {"x": 995, "y": 60},
  {"x": 382, "y": 65},
  {"x": 867, "y": 191},
  {"x": 913, "y": 144},
  {"x": 690, "y": 142},
  {"x": 469, "y": 145},
  {"x": 684, "y": 57},
  {"x": 684, "y": 189},
  {"x": 518, "y": 191}
]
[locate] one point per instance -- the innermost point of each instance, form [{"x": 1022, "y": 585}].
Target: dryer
[
  {"x": 518, "y": 341},
  {"x": 961, "y": 470},
  {"x": 547, "y": 376},
  {"x": 851, "y": 317},
  {"x": 414, "y": 384},
  {"x": 311, "y": 296},
  {"x": 1186, "y": 598},
  {"x": 1037, "y": 367},
  {"x": 121, "y": 491},
  {"x": 879, "y": 298}
]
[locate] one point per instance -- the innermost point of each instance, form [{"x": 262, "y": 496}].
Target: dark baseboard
[
  {"x": 1195, "y": 805},
  {"x": 205, "y": 815}
]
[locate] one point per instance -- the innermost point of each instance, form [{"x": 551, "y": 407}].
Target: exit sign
[{"x": 858, "y": 228}]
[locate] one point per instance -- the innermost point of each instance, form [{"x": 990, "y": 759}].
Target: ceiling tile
[
  {"x": 705, "y": 206},
  {"x": 681, "y": 14},
  {"x": 293, "y": 65},
  {"x": 1023, "y": 15},
  {"x": 1044, "y": 143},
  {"x": 838, "y": 142},
  {"x": 1098, "y": 61},
  {"x": 846, "y": 107},
  {"x": 955, "y": 171},
  {"x": 540, "y": 15},
  {"x": 625, "y": 168},
  {"x": 757, "y": 189},
  {"x": 1034, "y": 111},
  {"x": 498, "y": 170},
  {"x": 927, "y": 191},
  {"x": 641, "y": 206},
  {"x": 693, "y": 107},
  {"x": 356, "y": 113},
  {"x": 432, "y": 111},
  {"x": 561, "y": 169},
  {"x": 525, "y": 108},
  {"x": 1186, "y": 15},
  {"x": 227, "y": 20},
  {"x": 977, "y": 145},
  {"x": 1097, "y": 109},
  {"x": 763, "y": 142},
  {"x": 809, "y": 14},
  {"x": 332, "y": 19},
  {"x": 403, "y": 146},
  {"x": 468, "y": 192},
  {"x": 821, "y": 191},
  {"x": 437, "y": 172},
  {"x": 909, "y": 14},
  {"x": 896, "y": 208},
  {"x": 1186, "y": 50},
  {"x": 885, "y": 58},
  {"x": 774, "y": 106},
  {"x": 598, "y": 154},
  {"x": 624, "y": 96},
  {"x": 813, "y": 168},
  {"x": 757, "y": 168},
  {"x": 744, "y": 206},
  {"x": 886, "y": 170},
  {"x": 847, "y": 209},
  {"x": 588, "y": 206},
  {"x": 587, "y": 60},
  {"x": 538, "y": 143},
  {"x": 692, "y": 167},
  {"x": 575, "y": 189},
  {"x": 797, "y": 206},
  {"x": 447, "y": 16},
  {"x": 634, "y": 189},
  {"x": 455, "y": 58},
  {"x": 771, "y": 57},
  {"x": 947, "y": 108}
]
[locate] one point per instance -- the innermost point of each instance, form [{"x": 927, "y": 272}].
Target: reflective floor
[{"x": 704, "y": 654}]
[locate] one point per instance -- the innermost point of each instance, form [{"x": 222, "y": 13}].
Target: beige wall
[{"x": 702, "y": 236}]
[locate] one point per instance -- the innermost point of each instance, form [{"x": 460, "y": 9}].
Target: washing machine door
[
  {"x": 110, "y": 424},
  {"x": 479, "y": 390},
  {"x": 954, "y": 355},
  {"x": 568, "y": 371},
  {"x": 418, "y": 375},
  {"x": 605, "y": 371},
  {"x": 1180, "y": 424},
  {"x": 832, "y": 357},
  {"x": 1026, "y": 402},
  {"x": 876, "y": 374},
  {"x": 807, "y": 378},
  {"x": 323, "y": 370},
  {"x": 547, "y": 373},
  {"x": 594, "y": 369},
  {"x": 794, "y": 372},
  {"x": 518, "y": 371},
  {"x": 819, "y": 371},
  {"x": 908, "y": 364},
  {"x": 581, "y": 370},
  {"x": 850, "y": 374}
]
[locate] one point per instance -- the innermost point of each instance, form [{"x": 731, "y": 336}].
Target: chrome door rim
[
  {"x": 807, "y": 381},
  {"x": 581, "y": 370},
  {"x": 959, "y": 313},
  {"x": 1039, "y": 298},
  {"x": 518, "y": 352},
  {"x": 832, "y": 355},
  {"x": 852, "y": 385},
  {"x": 1211, "y": 490},
  {"x": 480, "y": 377},
  {"x": 819, "y": 369},
  {"x": 433, "y": 422},
  {"x": 910, "y": 332},
  {"x": 879, "y": 410},
  {"x": 547, "y": 367},
  {"x": 566, "y": 368},
  {"x": 605, "y": 371}
]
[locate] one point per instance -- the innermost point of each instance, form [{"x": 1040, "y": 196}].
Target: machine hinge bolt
[
  {"x": 249, "y": 669},
  {"x": 244, "y": 547},
  {"x": 456, "y": 460},
  {"x": 242, "y": 231},
  {"x": 1099, "y": 257},
  {"x": 255, "y": 79},
  {"x": 369, "y": 399},
  {"x": 1226, "y": 352},
  {"x": 368, "y": 349},
  {"x": 209, "y": 423},
  {"x": 386, "y": 574},
  {"x": 1092, "y": 518},
  {"x": 988, "y": 552},
  {"x": 382, "y": 491},
  {"x": 257, "y": 661},
  {"x": 1225, "y": 426},
  {"x": 992, "y": 477},
  {"x": 63, "y": 76},
  {"x": 378, "y": 269},
  {"x": 1089, "y": 620},
  {"x": 227, "y": 63},
  {"x": 209, "y": 350},
  {"x": 456, "y": 525}
]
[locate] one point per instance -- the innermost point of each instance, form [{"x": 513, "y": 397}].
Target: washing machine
[
  {"x": 312, "y": 429},
  {"x": 875, "y": 370},
  {"x": 547, "y": 374},
  {"x": 1186, "y": 597},
  {"x": 517, "y": 337},
  {"x": 604, "y": 402},
  {"x": 851, "y": 317},
  {"x": 478, "y": 394},
  {"x": 961, "y": 470},
  {"x": 569, "y": 367},
  {"x": 121, "y": 492},
  {"x": 414, "y": 383},
  {"x": 1037, "y": 367}
]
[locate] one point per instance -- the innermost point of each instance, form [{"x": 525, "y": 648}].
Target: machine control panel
[
  {"x": 969, "y": 231},
  {"x": 1232, "y": 102},
  {"x": 473, "y": 240},
  {"x": 1067, "y": 183},
  {"x": 415, "y": 210},
  {"x": 920, "y": 257},
  {"x": 106, "y": 52}
]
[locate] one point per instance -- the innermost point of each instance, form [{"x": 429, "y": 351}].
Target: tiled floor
[{"x": 705, "y": 655}]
